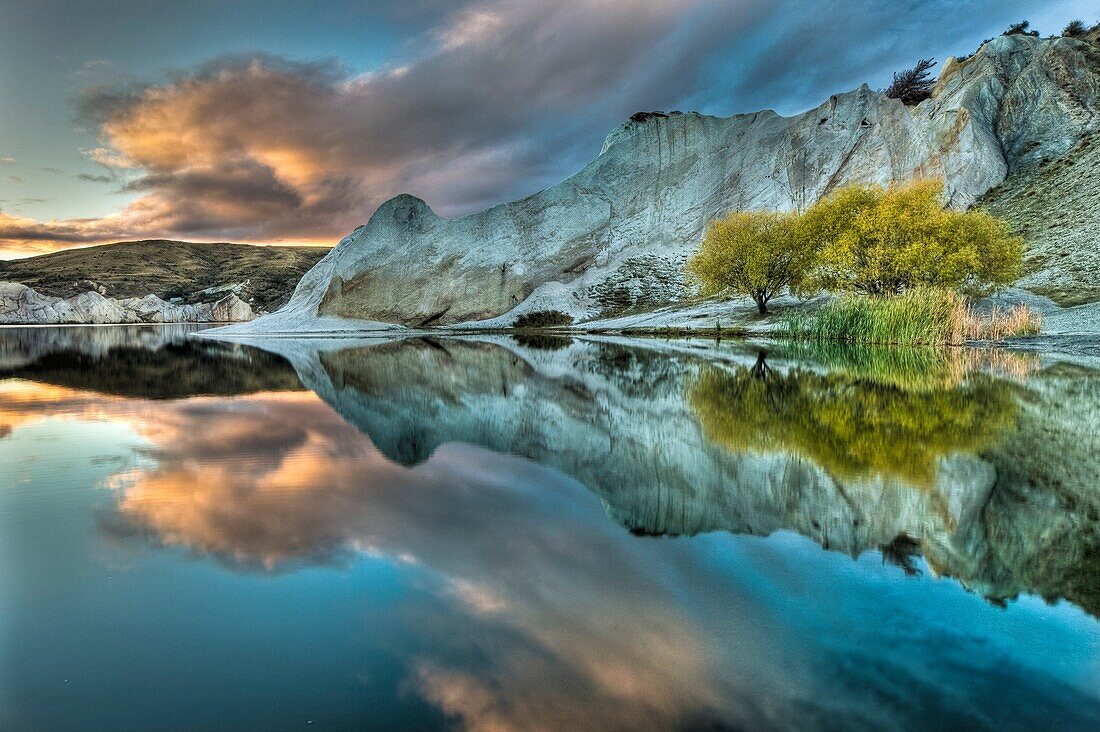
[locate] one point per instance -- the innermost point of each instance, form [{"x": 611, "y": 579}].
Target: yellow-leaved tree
[
  {"x": 882, "y": 241},
  {"x": 753, "y": 253}
]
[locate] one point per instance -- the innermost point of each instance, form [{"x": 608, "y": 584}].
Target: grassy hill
[
  {"x": 1053, "y": 205},
  {"x": 264, "y": 276}
]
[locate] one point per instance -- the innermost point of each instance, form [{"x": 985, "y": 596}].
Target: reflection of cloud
[
  {"x": 25, "y": 401},
  {"x": 540, "y": 612},
  {"x": 510, "y": 547}
]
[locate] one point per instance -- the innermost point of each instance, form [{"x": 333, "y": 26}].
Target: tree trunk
[{"x": 761, "y": 305}]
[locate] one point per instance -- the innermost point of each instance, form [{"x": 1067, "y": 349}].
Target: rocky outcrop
[
  {"x": 614, "y": 236},
  {"x": 21, "y": 305}
]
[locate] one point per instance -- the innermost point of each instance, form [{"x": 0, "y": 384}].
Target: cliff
[{"x": 613, "y": 237}]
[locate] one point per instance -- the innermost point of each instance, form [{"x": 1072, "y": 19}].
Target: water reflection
[
  {"x": 893, "y": 413},
  {"x": 930, "y": 453},
  {"x": 154, "y": 362},
  {"x": 501, "y": 479}
]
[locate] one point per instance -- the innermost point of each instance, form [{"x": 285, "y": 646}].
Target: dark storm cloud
[{"x": 497, "y": 100}]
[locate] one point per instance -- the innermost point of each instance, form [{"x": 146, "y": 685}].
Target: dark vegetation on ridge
[
  {"x": 914, "y": 85},
  {"x": 263, "y": 276}
]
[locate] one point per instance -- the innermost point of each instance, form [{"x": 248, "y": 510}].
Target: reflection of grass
[
  {"x": 854, "y": 426},
  {"x": 912, "y": 369}
]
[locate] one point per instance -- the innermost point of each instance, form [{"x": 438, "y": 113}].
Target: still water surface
[{"x": 546, "y": 534}]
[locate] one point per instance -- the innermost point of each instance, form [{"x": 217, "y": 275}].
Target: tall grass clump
[
  {"x": 1019, "y": 320},
  {"x": 913, "y": 318},
  {"x": 917, "y": 317}
]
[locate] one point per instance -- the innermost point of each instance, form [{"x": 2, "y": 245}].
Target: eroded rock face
[
  {"x": 616, "y": 234},
  {"x": 21, "y": 305}
]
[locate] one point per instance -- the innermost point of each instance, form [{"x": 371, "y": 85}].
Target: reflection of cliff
[
  {"x": 1041, "y": 526},
  {"x": 156, "y": 363},
  {"x": 931, "y": 468}
]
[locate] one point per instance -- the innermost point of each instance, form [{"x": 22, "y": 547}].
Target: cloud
[
  {"x": 89, "y": 178},
  {"x": 498, "y": 100},
  {"x": 7, "y": 161}
]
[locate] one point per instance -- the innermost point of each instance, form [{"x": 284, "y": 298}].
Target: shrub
[
  {"x": 543, "y": 319},
  {"x": 1075, "y": 29},
  {"x": 884, "y": 241},
  {"x": 753, "y": 253},
  {"x": 916, "y": 317},
  {"x": 914, "y": 85},
  {"x": 1020, "y": 29}
]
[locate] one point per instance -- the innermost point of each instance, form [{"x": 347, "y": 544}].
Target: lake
[{"x": 549, "y": 533}]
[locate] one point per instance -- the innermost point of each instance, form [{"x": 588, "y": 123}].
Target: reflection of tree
[{"x": 853, "y": 426}]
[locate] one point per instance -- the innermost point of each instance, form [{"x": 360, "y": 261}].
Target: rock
[
  {"x": 231, "y": 309},
  {"x": 21, "y": 305},
  {"x": 1053, "y": 205},
  {"x": 613, "y": 237}
]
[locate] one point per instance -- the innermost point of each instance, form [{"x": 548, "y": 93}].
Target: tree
[
  {"x": 1075, "y": 29},
  {"x": 883, "y": 241},
  {"x": 914, "y": 85},
  {"x": 754, "y": 253}
]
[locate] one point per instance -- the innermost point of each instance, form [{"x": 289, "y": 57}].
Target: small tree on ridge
[
  {"x": 914, "y": 85},
  {"x": 1075, "y": 29}
]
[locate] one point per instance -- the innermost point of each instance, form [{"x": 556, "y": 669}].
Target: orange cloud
[{"x": 257, "y": 148}]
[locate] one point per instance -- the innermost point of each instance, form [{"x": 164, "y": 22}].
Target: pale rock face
[
  {"x": 615, "y": 235},
  {"x": 231, "y": 309},
  {"x": 21, "y": 305}
]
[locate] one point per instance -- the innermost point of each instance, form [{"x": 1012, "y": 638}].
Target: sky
[{"x": 287, "y": 122}]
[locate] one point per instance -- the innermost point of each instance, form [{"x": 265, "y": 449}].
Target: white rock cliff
[{"x": 615, "y": 235}]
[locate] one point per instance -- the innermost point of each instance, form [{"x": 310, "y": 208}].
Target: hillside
[
  {"x": 1053, "y": 205},
  {"x": 262, "y": 276}
]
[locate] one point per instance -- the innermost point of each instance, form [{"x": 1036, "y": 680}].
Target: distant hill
[{"x": 263, "y": 276}]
